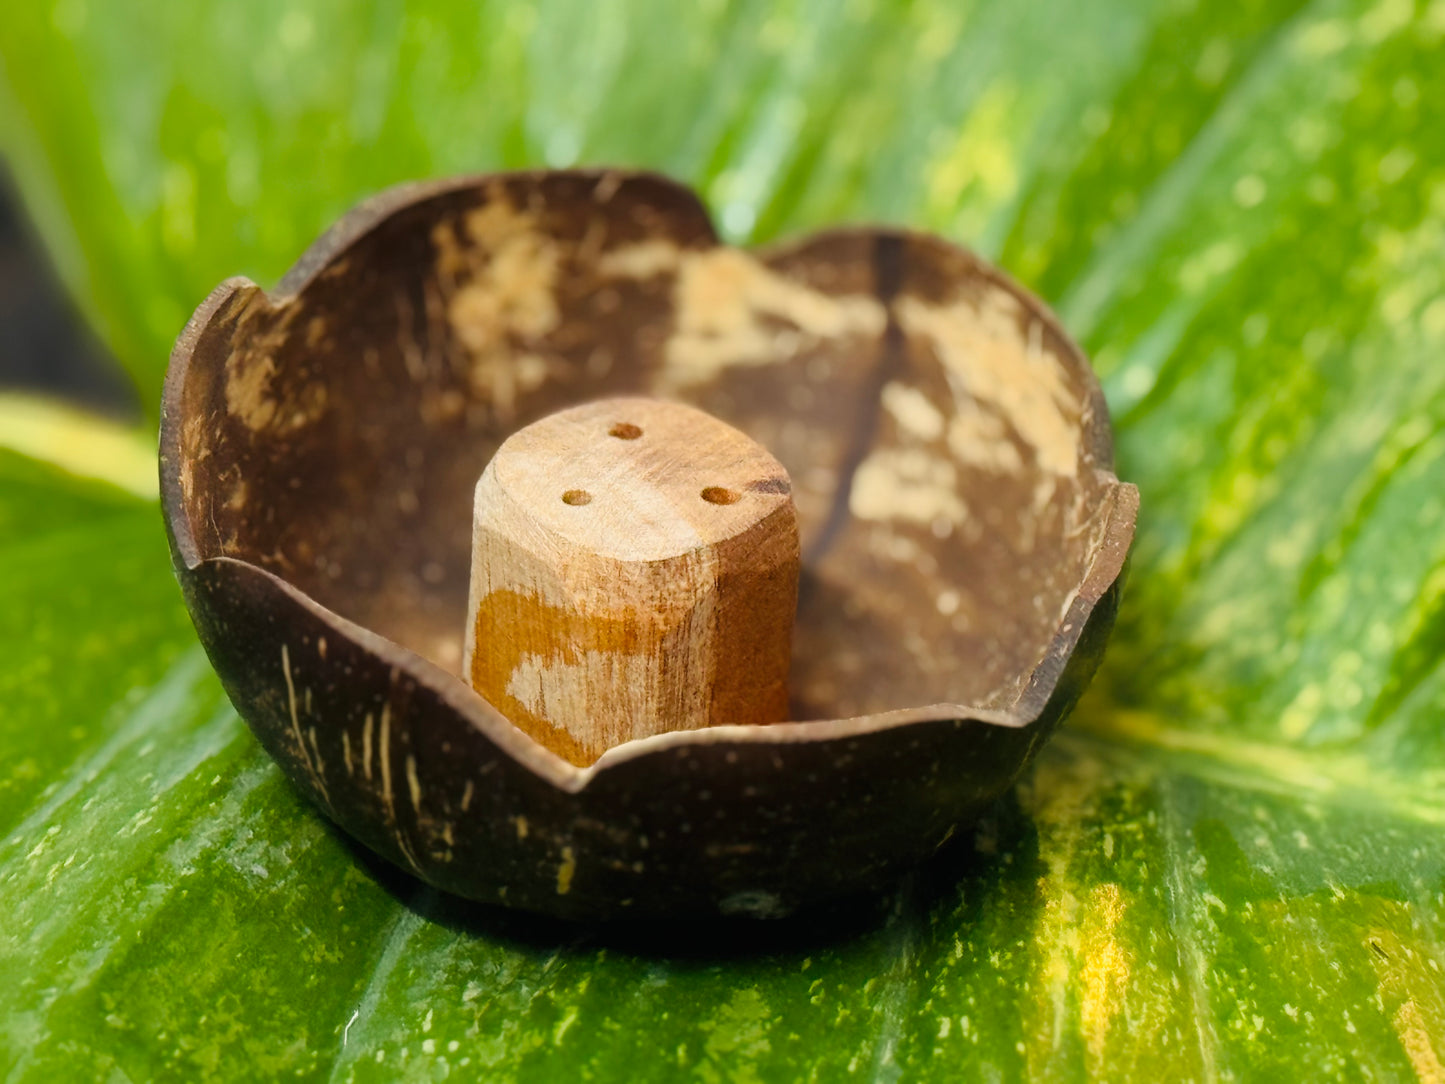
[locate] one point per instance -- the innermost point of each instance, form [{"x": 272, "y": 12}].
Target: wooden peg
[{"x": 634, "y": 571}]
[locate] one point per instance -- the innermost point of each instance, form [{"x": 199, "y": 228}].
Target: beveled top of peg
[{"x": 640, "y": 479}]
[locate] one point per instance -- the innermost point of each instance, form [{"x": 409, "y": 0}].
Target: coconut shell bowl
[{"x": 577, "y": 562}]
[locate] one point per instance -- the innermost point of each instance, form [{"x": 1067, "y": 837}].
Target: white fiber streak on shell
[
  {"x": 728, "y": 306},
  {"x": 912, "y": 411},
  {"x": 906, "y": 483},
  {"x": 643, "y": 260},
  {"x": 982, "y": 345},
  {"x": 502, "y": 280}
]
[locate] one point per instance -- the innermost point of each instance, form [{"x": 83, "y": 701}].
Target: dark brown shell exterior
[{"x": 963, "y": 533}]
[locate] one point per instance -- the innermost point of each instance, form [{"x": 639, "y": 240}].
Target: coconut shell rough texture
[{"x": 962, "y": 531}]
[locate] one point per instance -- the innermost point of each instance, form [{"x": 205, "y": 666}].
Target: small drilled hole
[
  {"x": 625, "y": 431},
  {"x": 576, "y": 496},
  {"x": 719, "y": 495}
]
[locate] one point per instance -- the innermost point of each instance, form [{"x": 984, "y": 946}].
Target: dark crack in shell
[{"x": 963, "y": 532}]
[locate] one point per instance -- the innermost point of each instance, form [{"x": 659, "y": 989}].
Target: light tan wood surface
[{"x": 634, "y": 571}]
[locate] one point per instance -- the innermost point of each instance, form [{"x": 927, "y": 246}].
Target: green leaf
[{"x": 1227, "y": 866}]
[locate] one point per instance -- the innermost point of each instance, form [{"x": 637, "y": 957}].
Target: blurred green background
[{"x": 1229, "y": 865}]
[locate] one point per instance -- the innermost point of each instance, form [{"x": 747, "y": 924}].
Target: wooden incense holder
[
  {"x": 951, "y": 461},
  {"x": 634, "y": 571}
]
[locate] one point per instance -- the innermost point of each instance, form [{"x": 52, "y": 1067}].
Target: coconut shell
[{"x": 963, "y": 533}]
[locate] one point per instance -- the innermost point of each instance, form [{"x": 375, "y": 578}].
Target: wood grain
[{"x": 635, "y": 571}]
